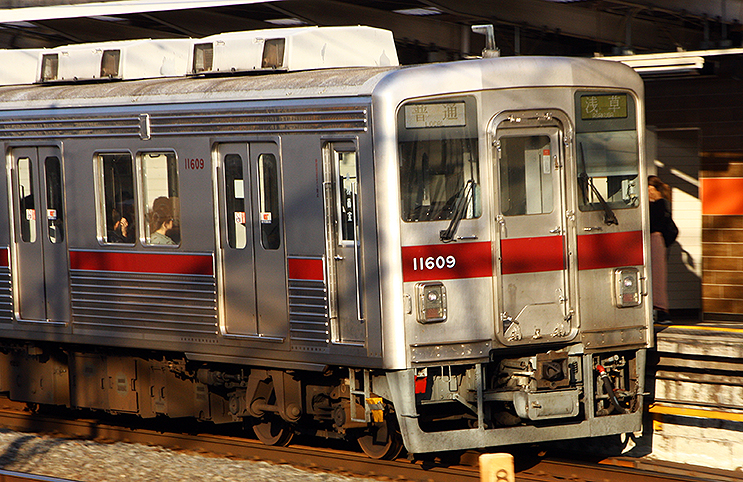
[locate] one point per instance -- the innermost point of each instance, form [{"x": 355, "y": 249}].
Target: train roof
[{"x": 390, "y": 82}]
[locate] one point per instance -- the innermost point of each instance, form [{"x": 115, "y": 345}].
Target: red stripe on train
[
  {"x": 447, "y": 261},
  {"x": 306, "y": 269},
  {"x": 4, "y": 258},
  {"x": 532, "y": 255},
  {"x": 610, "y": 250},
  {"x": 193, "y": 264}
]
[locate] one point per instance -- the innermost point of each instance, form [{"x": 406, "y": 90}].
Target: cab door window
[{"x": 347, "y": 196}]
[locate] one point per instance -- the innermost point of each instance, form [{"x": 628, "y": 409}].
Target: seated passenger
[
  {"x": 161, "y": 220},
  {"x": 120, "y": 232}
]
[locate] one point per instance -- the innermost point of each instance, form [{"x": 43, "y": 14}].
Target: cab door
[
  {"x": 532, "y": 266},
  {"x": 343, "y": 242},
  {"x": 40, "y": 268}
]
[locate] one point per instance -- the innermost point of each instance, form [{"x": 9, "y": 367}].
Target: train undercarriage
[{"x": 509, "y": 395}]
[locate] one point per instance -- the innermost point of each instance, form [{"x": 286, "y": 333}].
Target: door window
[
  {"x": 270, "y": 216},
  {"x": 27, "y": 206},
  {"x": 526, "y": 175},
  {"x": 235, "y": 201},
  {"x": 54, "y": 204}
]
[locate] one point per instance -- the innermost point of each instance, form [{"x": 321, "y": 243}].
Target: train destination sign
[
  {"x": 434, "y": 115},
  {"x": 611, "y": 106}
]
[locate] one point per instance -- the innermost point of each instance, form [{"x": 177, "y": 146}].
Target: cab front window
[
  {"x": 607, "y": 151},
  {"x": 438, "y": 159}
]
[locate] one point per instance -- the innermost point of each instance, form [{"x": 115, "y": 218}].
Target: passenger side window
[
  {"x": 160, "y": 198},
  {"x": 118, "y": 197}
]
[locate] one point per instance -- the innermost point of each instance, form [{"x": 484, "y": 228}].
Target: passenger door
[
  {"x": 533, "y": 288},
  {"x": 343, "y": 243},
  {"x": 252, "y": 259},
  {"x": 40, "y": 269}
]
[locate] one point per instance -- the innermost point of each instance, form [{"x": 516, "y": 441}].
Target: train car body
[{"x": 453, "y": 251}]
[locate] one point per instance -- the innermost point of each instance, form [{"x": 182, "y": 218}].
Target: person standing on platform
[{"x": 663, "y": 232}]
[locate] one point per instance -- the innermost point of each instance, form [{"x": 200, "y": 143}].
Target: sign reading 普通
[{"x": 434, "y": 115}]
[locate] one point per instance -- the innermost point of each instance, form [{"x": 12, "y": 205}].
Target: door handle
[{"x": 557, "y": 230}]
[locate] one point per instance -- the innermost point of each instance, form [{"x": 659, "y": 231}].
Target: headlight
[
  {"x": 431, "y": 302},
  {"x": 626, "y": 287}
]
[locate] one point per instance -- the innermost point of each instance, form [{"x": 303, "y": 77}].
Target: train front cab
[{"x": 524, "y": 285}]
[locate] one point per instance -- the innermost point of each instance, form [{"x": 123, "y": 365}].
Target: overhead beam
[
  {"x": 576, "y": 21},
  {"x": 426, "y": 30}
]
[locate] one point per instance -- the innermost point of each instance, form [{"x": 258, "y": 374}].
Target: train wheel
[
  {"x": 274, "y": 431},
  {"x": 382, "y": 441}
]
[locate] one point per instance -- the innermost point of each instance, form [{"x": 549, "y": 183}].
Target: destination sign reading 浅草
[{"x": 609, "y": 106}]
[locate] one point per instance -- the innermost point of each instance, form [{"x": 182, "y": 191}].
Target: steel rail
[{"x": 434, "y": 469}]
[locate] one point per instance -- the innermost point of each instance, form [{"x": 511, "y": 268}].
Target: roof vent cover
[{"x": 299, "y": 48}]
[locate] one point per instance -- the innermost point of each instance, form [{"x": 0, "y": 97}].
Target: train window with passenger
[
  {"x": 54, "y": 205},
  {"x": 27, "y": 205},
  {"x": 160, "y": 198},
  {"x": 118, "y": 216},
  {"x": 235, "y": 201},
  {"x": 268, "y": 186},
  {"x": 439, "y": 164},
  {"x": 607, "y": 150}
]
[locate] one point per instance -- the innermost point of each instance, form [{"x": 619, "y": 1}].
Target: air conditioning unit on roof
[
  {"x": 124, "y": 60},
  {"x": 291, "y": 49},
  {"x": 19, "y": 66}
]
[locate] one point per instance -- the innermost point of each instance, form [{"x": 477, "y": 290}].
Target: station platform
[
  {"x": 695, "y": 378},
  {"x": 694, "y": 405}
]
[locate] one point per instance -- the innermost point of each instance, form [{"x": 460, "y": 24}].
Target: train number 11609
[{"x": 439, "y": 262}]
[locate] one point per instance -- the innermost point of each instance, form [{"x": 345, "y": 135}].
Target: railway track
[{"x": 460, "y": 467}]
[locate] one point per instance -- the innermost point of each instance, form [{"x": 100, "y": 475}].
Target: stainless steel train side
[{"x": 450, "y": 253}]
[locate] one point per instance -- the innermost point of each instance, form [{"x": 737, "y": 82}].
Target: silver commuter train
[{"x": 445, "y": 256}]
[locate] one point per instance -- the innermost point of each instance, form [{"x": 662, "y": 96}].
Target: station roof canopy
[{"x": 425, "y": 30}]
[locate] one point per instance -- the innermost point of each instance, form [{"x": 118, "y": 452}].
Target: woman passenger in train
[{"x": 161, "y": 220}]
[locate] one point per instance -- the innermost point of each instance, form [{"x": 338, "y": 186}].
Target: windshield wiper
[
  {"x": 460, "y": 209},
  {"x": 585, "y": 182}
]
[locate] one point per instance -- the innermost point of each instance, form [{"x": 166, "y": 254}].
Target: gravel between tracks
[{"x": 89, "y": 461}]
